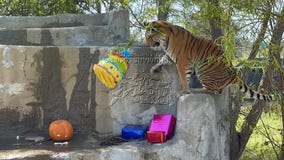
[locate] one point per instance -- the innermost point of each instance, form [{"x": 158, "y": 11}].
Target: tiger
[{"x": 191, "y": 53}]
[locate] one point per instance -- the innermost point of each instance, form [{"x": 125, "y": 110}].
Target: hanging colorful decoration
[{"x": 110, "y": 71}]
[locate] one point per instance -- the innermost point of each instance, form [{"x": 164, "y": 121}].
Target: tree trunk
[
  {"x": 98, "y": 6},
  {"x": 237, "y": 145},
  {"x": 257, "y": 42},
  {"x": 281, "y": 77},
  {"x": 277, "y": 37},
  {"x": 163, "y": 10},
  {"x": 282, "y": 111},
  {"x": 215, "y": 30},
  {"x": 252, "y": 118},
  {"x": 254, "y": 115},
  {"x": 111, "y": 5}
]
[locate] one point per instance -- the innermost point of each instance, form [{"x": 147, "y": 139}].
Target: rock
[
  {"x": 67, "y": 29},
  {"x": 60, "y": 20},
  {"x": 140, "y": 95},
  {"x": 203, "y": 126},
  {"x": 35, "y": 138},
  {"x": 202, "y": 133}
]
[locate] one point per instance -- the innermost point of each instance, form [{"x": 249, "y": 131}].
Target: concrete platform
[
  {"x": 72, "y": 36},
  {"x": 61, "y": 20},
  {"x": 195, "y": 138},
  {"x": 140, "y": 150},
  {"x": 67, "y": 29}
]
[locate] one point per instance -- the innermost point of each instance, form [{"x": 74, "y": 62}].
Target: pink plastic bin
[{"x": 163, "y": 123}]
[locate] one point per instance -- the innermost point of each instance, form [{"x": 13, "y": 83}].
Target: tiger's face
[{"x": 156, "y": 34}]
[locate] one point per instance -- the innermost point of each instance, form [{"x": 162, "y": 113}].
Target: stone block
[
  {"x": 203, "y": 126},
  {"x": 202, "y": 133},
  {"x": 140, "y": 95},
  {"x": 60, "y": 20},
  {"x": 74, "y": 30},
  {"x": 73, "y": 36}
]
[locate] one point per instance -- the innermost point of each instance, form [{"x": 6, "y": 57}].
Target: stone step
[
  {"x": 73, "y": 36},
  {"x": 67, "y": 29},
  {"x": 61, "y": 20},
  {"x": 196, "y": 138}
]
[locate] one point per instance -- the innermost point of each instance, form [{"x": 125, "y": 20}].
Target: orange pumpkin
[{"x": 60, "y": 130}]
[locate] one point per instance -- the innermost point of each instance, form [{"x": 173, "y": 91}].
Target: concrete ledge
[
  {"x": 76, "y": 36},
  {"x": 62, "y": 20},
  {"x": 67, "y": 29},
  {"x": 202, "y": 133}
]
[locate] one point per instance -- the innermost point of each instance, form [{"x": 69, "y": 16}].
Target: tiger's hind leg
[{"x": 215, "y": 75}]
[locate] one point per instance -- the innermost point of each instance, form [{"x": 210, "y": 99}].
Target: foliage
[
  {"x": 37, "y": 7},
  {"x": 265, "y": 142}
]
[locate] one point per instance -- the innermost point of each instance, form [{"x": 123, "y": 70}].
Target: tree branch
[
  {"x": 240, "y": 139},
  {"x": 257, "y": 42}
]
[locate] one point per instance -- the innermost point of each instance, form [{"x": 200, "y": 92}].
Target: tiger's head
[{"x": 157, "y": 33}]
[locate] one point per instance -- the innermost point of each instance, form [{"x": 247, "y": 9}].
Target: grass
[{"x": 265, "y": 142}]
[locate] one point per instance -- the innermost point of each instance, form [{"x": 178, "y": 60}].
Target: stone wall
[
  {"x": 46, "y": 66},
  {"x": 43, "y": 83},
  {"x": 138, "y": 96}
]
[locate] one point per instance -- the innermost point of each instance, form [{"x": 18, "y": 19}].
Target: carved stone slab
[{"x": 140, "y": 95}]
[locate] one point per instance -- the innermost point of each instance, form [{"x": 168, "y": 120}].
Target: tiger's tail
[{"x": 254, "y": 94}]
